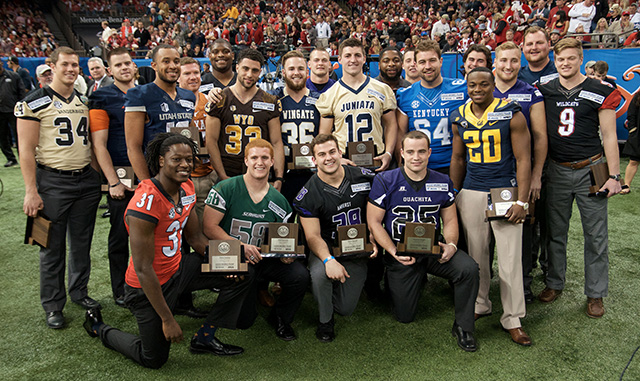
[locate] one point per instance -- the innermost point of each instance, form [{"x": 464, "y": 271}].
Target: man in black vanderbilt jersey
[
  {"x": 575, "y": 107},
  {"x": 335, "y": 196}
]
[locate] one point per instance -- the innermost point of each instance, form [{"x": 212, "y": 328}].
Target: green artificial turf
[{"x": 567, "y": 345}]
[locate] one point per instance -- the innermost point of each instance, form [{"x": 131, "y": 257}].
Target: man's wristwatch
[
  {"x": 615, "y": 177},
  {"x": 524, "y": 205}
]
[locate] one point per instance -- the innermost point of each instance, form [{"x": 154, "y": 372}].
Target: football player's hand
[
  {"x": 287, "y": 260},
  {"x": 172, "y": 330},
  {"x": 516, "y": 214},
  {"x": 347, "y": 162},
  {"x": 447, "y": 252},
  {"x": 385, "y": 159},
  {"x": 215, "y": 95},
  {"x": 375, "y": 246},
  {"x": 405, "y": 260},
  {"x": 534, "y": 189},
  {"x": 335, "y": 271},
  {"x": 32, "y": 204},
  {"x": 117, "y": 192},
  {"x": 612, "y": 186},
  {"x": 252, "y": 253}
]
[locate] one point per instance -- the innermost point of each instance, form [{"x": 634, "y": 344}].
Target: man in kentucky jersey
[
  {"x": 60, "y": 184},
  {"x": 491, "y": 137},
  {"x": 156, "y": 107},
  {"x": 203, "y": 175},
  {"x": 107, "y": 134},
  {"x": 241, "y": 208},
  {"x": 335, "y": 196},
  {"x": 414, "y": 193},
  {"x": 157, "y": 218},
  {"x": 358, "y": 107},
  {"x": 244, "y": 113},
  {"x": 508, "y": 85},
  {"x": 575, "y": 107},
  {"x": 299, "y": 118},
  {"x": 425, "y": 106}
]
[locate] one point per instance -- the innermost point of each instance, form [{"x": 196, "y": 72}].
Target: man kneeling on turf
[
  {"x": 158, "y": 214},
  {"x": 414, "y": 193}
]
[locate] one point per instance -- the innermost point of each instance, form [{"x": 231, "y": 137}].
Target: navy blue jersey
[
  {"x": 314, "y": 89},
  {"x": 334, "y": 207},
  {"x": 111, "y": 100},
  {"x": 548, "y": 73},
  {"x": 299, "y": 121},
  {"x": 428, "y": 111},
  {"x": 162, "y": 111},
  {"x": 523, "y": 93},
  {"x": 490, "y": 160},
  {"x": 405, "y": 200}
]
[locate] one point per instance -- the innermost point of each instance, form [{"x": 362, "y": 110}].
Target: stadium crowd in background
[{"x": 24, "y": 31}]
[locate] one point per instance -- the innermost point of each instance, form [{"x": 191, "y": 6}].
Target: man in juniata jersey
[
  {"x": 244, "y": 113},
  {"x": 413, "y": 193},
  {"x": 156, "y": 107},
  {"x": 158, "y": 215},
  {"x": 60, "y": 183},
  {"x": 107, "y": 133},
  {"x": 335, "y": 196},
  {"x": 241, "y": 208},
  {"x": 358, "y": 107},
  {"x": 491, "y": 143},
  {"x": 425, "y": 106},
  {"x": 299, "y": 118},
  {"x": 575, "y": 107}
]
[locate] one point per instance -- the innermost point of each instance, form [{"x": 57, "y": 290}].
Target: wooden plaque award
[
  {"x": 599, "y": 174},
  {"x": 37, "y": 232},
  {"x": 353, "y": 240},
  {"x": 362, "y": 153},
  {"x": 419, "y": 239},
  {"x": 501, "y": 200},
  {"x": 225, "y": 256},
  {"x": 301, "y": 157},
  {"x": 194, "y": 134},
  {"x": 282, "y": 241}
]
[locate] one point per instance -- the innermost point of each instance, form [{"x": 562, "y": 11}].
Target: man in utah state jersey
[
  {"x": 156, "y": 107},
  {"x": 414, "y": 193},
  {"x": 491, "y": 144},
  {"x": 358, "y": 107},
  {"x": 575, "y": 107},
  {"x": 425, "y": 106}
]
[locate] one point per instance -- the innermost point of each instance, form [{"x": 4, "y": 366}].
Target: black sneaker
[
  {"x": 325, "y": 332},
  {"x": 10, "y": 163}
]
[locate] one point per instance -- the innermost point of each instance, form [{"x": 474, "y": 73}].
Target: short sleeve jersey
[
  {"x": 357, "y": 113},
  {"x": 64, "y": 128},
  {"x": 110, "y": 99},
  {"x": 524, "y": 94},
  {"x": 299, "y": 121},
  {"x": 405, "y": 200},
  {"x": 241, "y": 123},
  {"x": 151, "y": 203},
  {"x": 428, "y": 111},
  {"x": 162, "y": 111},
  {"x": 334, "y": 207},
  {"x": 572, "y": 117},
  {"x": 490, "y": 160},
  {"x": 243, "y": 219}
]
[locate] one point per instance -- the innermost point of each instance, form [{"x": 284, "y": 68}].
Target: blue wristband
[{"x": 328, "y": 259}]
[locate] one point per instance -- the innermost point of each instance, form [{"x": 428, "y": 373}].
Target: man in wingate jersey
[
  {"x": 358, "y": 107},
  {"x": 414, "y": 193},
  {"x": 244, "y": 113},
  {"x": 107, "y": 133},
  {"x": 241, "y": 208},
  {"x": 156, "y": 107},
  {"x": 335, "y": 196},
  {"x": 491, "y": 144},
  {"x": 299, "y": 118},
  {"x": 60, "y": 183},
  {"x": 575, "y": 107},
  {"x": 508, "y": 85},
  {"x": 425, "y": 106}
]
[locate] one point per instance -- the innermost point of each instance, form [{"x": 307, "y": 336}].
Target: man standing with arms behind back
[
  {"x": 575, "y": 107},
  {"x": 60, "y": 183}
]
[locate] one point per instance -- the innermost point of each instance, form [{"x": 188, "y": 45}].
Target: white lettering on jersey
[
  {"x": 548, "y": 77},
  {"x": 591, "y": 96},
  {"x": 277, "y": 210},
  {"x": 520, "y": 97},
  {"x": 39, "y": 102},
  {"x": 437, "y": 187},
  {"x": 362, "y": 187},
  {"x": 452, "y": 97},
  {"x": 186, "y": 103},
  {"x": 376, "y": 94},
  {"x": 205, "y": 88},
  {"x": 503, "y": 115},
  {"x": 263, "y": 106},
  {"x": 188, "y": 200}
]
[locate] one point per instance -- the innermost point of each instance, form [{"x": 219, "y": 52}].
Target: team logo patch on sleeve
[
  {"x": 520, "y": 97},
  {"x": 263, "y": 106},
  {"x": 452, "y": 97},
  {"x": 19, "y": 109},
  {"x": 591, "y": 96},
  {"x": 538, "y": 93},
  {"x": 39, "y": 102},
  {"x": 277, "y": 210},
  {"x": 376, "y": 94},
  {"x": 301, "y": 194},
  {"x": 437, "y": 187},
  {"x": 362, "y": 187},
  {"x": 502, "y": 115},
  {"x": 187, "y": 200}
]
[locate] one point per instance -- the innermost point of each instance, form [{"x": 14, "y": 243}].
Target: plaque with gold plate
[
  {"x": 353, "y": 240},
  {"x": 225, "y": 256},
  {"x": 362, "y": 154},
  {"x": 499, "y": 202},
  {"x": 418, "y": 239},
  {"x": 37, "y": 232},
  {"x": 301, "y": 157},
  {"x": 192, "y": 133},
  {"x": 282, "y": 241},
  {"x": 598, "y": 174},
  {"x": 125, "y": 175}
]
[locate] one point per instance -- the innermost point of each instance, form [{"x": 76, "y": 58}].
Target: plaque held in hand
[
  {"x": 225, "y": 256},
  {"x": 282, "y": 241},
  {"x": 353, "y": 241},
  {"x": 418, "y": 239}
]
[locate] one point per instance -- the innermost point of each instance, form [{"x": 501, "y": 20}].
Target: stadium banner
[{"x": 624, "y": 68}]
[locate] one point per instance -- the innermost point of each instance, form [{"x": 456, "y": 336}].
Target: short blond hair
[
  {"x": 568, "y": 43},
  {"x": 507, "y": 46}
]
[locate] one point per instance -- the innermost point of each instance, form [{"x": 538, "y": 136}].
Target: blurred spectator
[
  {"x": 601, "y": 27},
  {"x": 623, "y": 27},
  {"x": 560, "y": 5},
  {"x": 539, "y": 15},
  {"x": 560, "y": 23},
  {"x": 14, "y": 64},
  {"x": 581, "y": 14}
]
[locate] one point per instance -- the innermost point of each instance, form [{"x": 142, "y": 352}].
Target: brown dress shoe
[
  {"x": 548, "y": 295},
  {"x": 265, "y": 298},
  {"x": 480, "y": 316},
  {"x": 519, "y": 336},
  {"x": 595, "y": 308}
]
